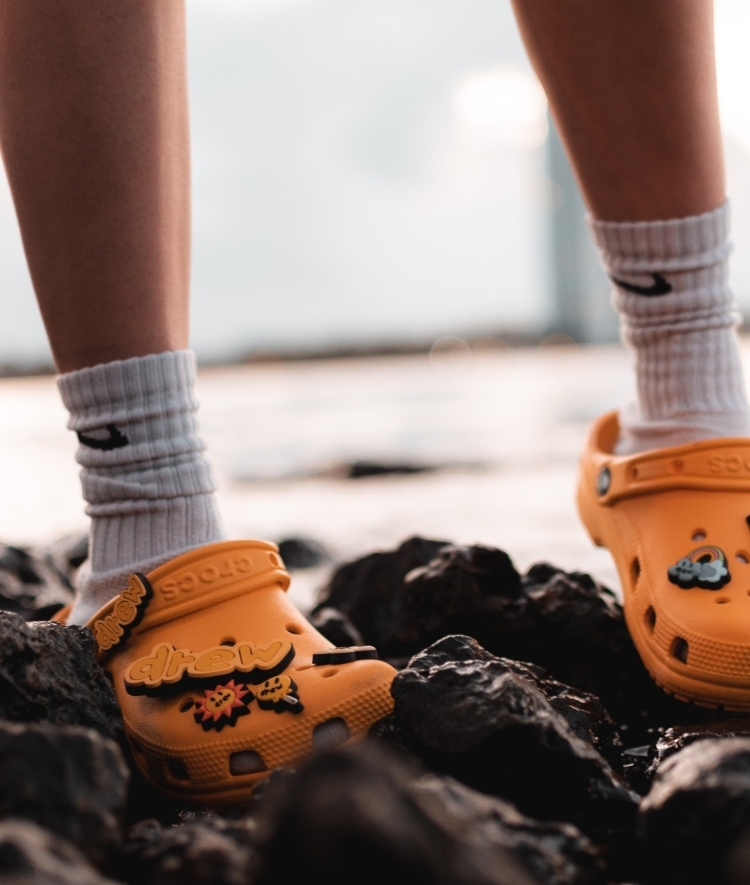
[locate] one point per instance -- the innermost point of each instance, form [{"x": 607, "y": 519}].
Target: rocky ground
[{"x": 527, "y": 745}]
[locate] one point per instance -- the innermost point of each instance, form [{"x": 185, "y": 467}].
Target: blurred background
[
  {"x": 381, "y": 173},
  {"x": 376, "y": 177}
]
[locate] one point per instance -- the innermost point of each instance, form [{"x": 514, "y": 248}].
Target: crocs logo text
[
  {"x": 167, "y": 666},
  {"x": 209, "y": 574},
  {"x": 126, "y": 613},
  {"x": 731, "y": 464}
]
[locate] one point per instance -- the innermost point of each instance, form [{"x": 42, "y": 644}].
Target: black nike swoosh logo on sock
[
  {"x": 115, "y": 440},
  {"x": 660, "y": 287}
]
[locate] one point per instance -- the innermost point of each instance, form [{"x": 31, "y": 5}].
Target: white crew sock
[
  {"x": 679, "y": 318},
  {"x": 148, "y": 487}
]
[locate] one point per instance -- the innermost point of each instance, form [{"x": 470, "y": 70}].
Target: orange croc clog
[
  {"x": 220, "y": 679},
  {"x": 677, "y": 523}
]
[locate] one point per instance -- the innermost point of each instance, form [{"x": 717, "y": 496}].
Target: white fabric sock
[
  {"x": 148, "y": 487},
  {"x": 679, "y": 319}
]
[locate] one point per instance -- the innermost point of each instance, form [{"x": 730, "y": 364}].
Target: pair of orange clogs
[{"x": 220, "y": 679}]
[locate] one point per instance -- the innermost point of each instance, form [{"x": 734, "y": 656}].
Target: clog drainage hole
[
  {"x": 186, "y": 705},
  {"x": 246, "y": 762},
  {"x": 330, "y": 734},
  {"x": 635, "y": 569},
  {"x": 742, "y": 557},
  {"x": 722, "y": 600},
  {"x": 178, "y": 769},
  {"x": 699, "y": 535},
  {"x": 294, "y": 629},
  {"x": 230, "y": 641},
  {"x": 679, "y": 649},
  {"x": 650, "y": 618},
  {"x": 326, "y": 674}
]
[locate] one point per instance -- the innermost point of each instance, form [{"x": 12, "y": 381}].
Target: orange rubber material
[
  {"x": 214, "y": 672},
  {"x": 676, "y": 523}
]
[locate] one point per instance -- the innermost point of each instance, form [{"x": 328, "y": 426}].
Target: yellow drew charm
[
  {"x": 167, "y": 666},
  {"x": 127, "y": 612}
]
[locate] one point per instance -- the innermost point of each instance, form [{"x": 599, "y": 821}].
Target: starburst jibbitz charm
[
  {"x": 705, "y": 567},
  {"x": 280, "y": 695},
  {"x": 223, "y": 705}
]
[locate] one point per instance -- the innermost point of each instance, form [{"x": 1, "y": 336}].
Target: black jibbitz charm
[
  {"x": 345, "y": 655},
  {"x": 705, "y": 567}
]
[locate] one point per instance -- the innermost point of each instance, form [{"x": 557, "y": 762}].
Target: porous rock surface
[
  {"x": 70, "y": 780},
  {"x": 30, "y": 855},
  {"x": 361, "y": 815},
  {"x": 36, "y": 583},
  {"x": 203, "y": 850},
  {"x": 488, "y": 722},
  {"x": 697, "y": 809},
  {"x": 49, "y": 673}
]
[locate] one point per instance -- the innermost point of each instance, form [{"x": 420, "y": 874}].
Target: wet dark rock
[
  {"x": 31, "y": 584},
  {"x": 637, "y": 765},
  {"x": 49, "y": 673},
  {"x": 336, "y": 627},
  {"x": 487, "y": 722},
  {"x": 361, "y": 815},
  {"x": 300, "y": 553},
  {"x": 369, "y": 590},
  {"x": 563, "y": 621},
  {"x": 206, "y": 850},
  {"x": 69, "y": 780},
  {"x": 30, "y": 855},
  {"x": 679, "y": 736},
  {"x": 697, "y": 810}
]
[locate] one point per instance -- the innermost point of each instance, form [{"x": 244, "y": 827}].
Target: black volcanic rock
[
  {"x": 336, "y": 627},
  {"x": 30, "y": 855},
  {"x": 360, "y": 815},
  {"x": 697, "y": 810},
  {"x": 679, "y": 736},
  {"x": 49, "y": 673},
  {"x": 32, "y": 583},
  {"x": 69, "y": 780},
  {"x": 487, "y": 722},
  {"x": 204, "y": 851},
  {"x": 565, "y": 622},
  {"x": 369, "y": 591}
]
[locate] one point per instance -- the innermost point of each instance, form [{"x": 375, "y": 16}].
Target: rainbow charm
[{"x": 705, "y": 567}]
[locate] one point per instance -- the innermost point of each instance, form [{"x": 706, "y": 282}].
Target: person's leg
[
  {"x": 94, "y": 135},
  {"x": 94, "y": 131},
  {"x": 632, "y": 88}
]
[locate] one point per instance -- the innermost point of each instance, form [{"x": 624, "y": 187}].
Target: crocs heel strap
[{"x": 712, "y": 465}]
